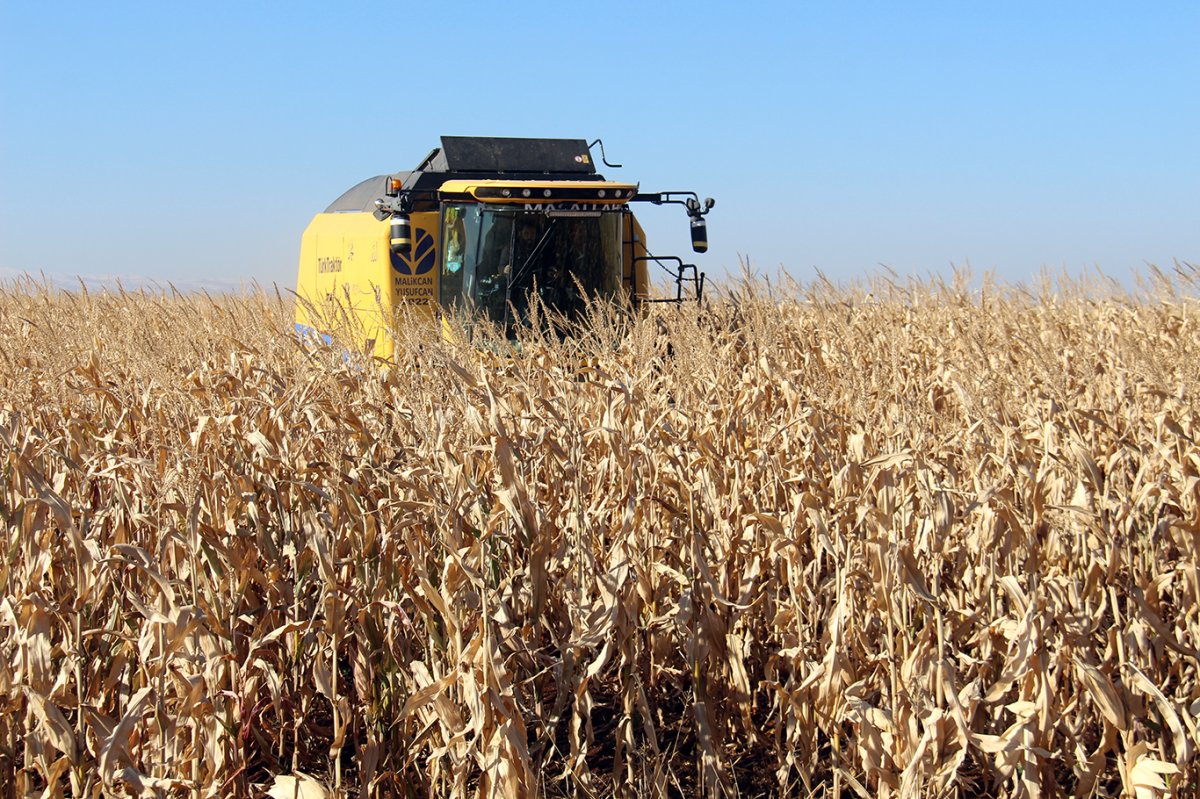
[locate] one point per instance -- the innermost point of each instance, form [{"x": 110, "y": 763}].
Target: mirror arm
[{"x": 688, "y": 199}]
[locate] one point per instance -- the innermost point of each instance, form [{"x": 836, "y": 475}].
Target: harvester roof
[
  {"x": 505, "y": 156},
  {"x": 475, "y": 159}
]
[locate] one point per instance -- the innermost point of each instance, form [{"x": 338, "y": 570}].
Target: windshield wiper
[{"x": 537, "y": 248}]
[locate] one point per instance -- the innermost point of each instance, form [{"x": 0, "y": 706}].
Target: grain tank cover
[
  {"x": 491, "y": 154},
  {"x": 362, "y": 196}
]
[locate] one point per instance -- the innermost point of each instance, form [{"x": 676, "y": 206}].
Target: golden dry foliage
[{"x": 895, "y": 540}]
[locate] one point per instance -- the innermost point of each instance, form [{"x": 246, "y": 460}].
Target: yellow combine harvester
[{"x": 483, "y": 226}]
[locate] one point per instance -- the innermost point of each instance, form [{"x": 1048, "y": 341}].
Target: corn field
[{"x": 899, "y": 539}]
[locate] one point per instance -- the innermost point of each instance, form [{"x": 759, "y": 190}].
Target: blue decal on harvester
[
  {"x": 307, "y": 333},
  {"x": 420, "y": 258}
]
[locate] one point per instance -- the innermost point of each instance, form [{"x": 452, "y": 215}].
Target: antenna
[{"x": 603, "y": 157}]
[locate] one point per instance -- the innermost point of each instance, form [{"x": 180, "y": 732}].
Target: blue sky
[{"x": 193, "y": 143}]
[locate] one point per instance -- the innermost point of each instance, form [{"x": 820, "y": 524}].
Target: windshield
[{"x": 496, "y": 261}]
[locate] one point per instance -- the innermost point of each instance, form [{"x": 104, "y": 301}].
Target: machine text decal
[
  {"x": 415, "y": 290},
  {"x": 547, "y": 208}
]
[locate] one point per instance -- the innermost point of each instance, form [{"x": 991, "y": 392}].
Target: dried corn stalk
[{"x": 906, "y": 541}]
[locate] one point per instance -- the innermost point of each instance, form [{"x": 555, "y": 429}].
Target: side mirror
[
  {"x": 699, "y": 234},
  {"x": 401, "y": 234}
]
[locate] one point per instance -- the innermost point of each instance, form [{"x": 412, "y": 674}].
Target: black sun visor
[{"x": 491, "y": 154}]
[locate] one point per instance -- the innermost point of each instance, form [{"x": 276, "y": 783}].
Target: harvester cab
[{"x": 486, "y": 227}]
